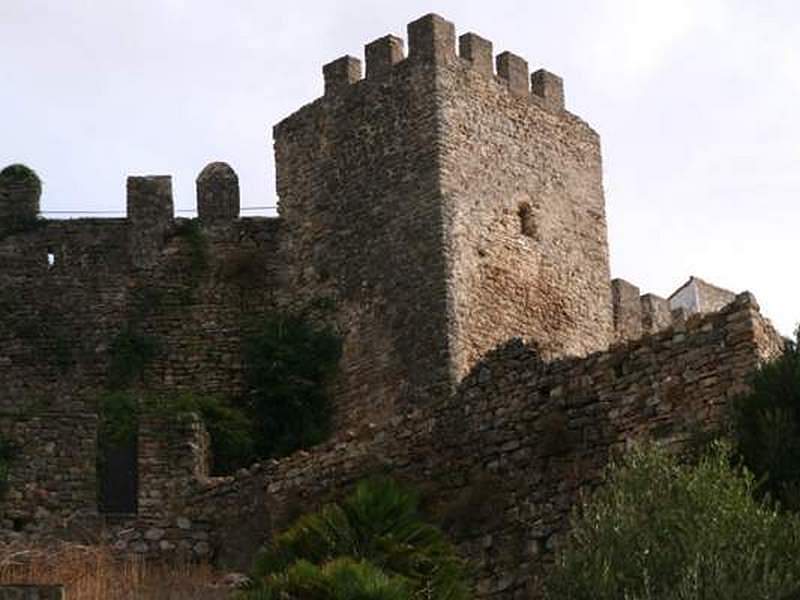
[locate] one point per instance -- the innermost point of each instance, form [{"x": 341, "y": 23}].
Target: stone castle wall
[
  {"x": 361, "y": 209},
  {"x": 68, "y": 289},
  {"x": 53, "y": 490},
  {"x": 452, "y": 215},
  {"x": 434, "y": 197},
  {"x": 526, "y": 232},
  {"x": 54, "y": 478},
  {"x": 507, "y": 457}
]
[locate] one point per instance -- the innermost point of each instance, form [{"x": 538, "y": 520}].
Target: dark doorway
[{"x": 118, "y": 478}]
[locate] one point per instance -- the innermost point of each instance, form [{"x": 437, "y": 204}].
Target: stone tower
[{"x": 446, "y": 207}]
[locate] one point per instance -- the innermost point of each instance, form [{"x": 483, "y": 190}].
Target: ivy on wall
[
  {"x": 228, "y": 426},
  {"x": 289, "y": 367},
  {"x": 191, "y": 232},
  {"x": 131, "y": 352}
]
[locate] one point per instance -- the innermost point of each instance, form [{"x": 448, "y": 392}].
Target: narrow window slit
[{"x": 527, "y": 221}]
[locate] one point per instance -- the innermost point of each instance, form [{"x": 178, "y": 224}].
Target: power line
[{"x": 122, "y": 212}]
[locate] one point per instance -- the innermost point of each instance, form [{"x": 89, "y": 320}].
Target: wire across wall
[{"x": 123, "y": 213}]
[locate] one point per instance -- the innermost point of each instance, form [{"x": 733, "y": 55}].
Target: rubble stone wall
[
  {"x": 59, "y": 321},
  {"x": 525, "y": 218},
  {"x": 504, "y": 460},
  {"x": 357, "y": 177},
  {"x": 436, "y": 198}
]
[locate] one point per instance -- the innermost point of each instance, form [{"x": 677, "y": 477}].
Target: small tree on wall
[
  {"x": 289, "y": 366},
  {"x": 767, "y": 426}
]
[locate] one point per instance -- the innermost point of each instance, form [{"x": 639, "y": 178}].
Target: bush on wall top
[
  {"x": 18, "y": 174},
  {"x": 289, "y": 366}
]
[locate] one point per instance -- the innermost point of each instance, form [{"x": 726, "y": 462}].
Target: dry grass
[{"x": 91, "y": 573}]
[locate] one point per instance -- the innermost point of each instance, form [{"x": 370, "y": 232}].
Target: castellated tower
[{"x": 447, "y": 202}]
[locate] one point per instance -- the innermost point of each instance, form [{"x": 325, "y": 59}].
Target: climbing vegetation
[
  {"x": 131, "y": 352},
  {"x": 289, "y": 365}
]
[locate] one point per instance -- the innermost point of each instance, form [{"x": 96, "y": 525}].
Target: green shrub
[
  {"x": 663, "y": 530},
  {"x": 230, "y": 429},
  {"x": 339, "y": 579},
  {"x": 192, "y": 233},
  {"x": 289, "y": 365},
  {"x": 374, "y": 544},
  {"x": 767, "y": 427},
  {"x": 18, "y": 174},
  {"x": 119, "y": 419},
  {"x": 131, "y": 352}
]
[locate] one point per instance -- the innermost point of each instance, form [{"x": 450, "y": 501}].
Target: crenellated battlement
[
  {"x": 140, "y": 238},
  {"x": 429, "y": 181},
  {"x": 149, "y": 198},
  {"x": 448, "y": 213},
  {"x": 636, "y": 315},
  {"x": 432, "y": 41}
]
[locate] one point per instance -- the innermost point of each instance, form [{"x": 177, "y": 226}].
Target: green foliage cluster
[
  {"x": 18, "y": 174},
  {"x": 373, "y": 545},
  {"x": 339, "y": 579},
  {"x": 767, "y": 427},
  {"x": 119, "y": 419},
  {"x": 664, "y": 530},
  {"x": 131, "y": 352},
  {"x": 192, "y": 233},
  {"x": 230, "y": 429},
  {"x": 289, "y": 365}
]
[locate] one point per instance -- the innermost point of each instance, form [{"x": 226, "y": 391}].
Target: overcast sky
[{"x": 696, "y": 103}]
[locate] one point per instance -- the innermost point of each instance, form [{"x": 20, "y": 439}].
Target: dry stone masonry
[{"x": 450, "y": 209}]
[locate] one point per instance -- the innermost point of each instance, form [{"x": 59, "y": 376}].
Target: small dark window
[
  {"x": 527, "y": 221},
  {"x": 118, "y": 477}
]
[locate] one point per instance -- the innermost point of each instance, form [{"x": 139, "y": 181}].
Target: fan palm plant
[{"x": 372, "y": 546}]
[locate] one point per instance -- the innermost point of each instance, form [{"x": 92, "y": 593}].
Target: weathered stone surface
[
  {"x": 217, "y": 193},
  {"x": 526, "y": 442},
  {"x": 454, "y": 223}
]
